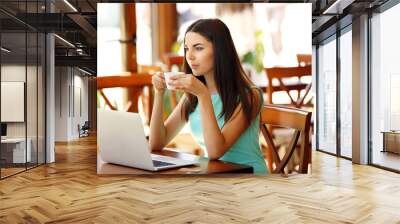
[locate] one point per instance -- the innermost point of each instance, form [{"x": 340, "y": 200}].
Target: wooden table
[{"x": 206, "y": 166}]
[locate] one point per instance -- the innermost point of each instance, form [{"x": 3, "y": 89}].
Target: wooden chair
[
  {"x": 292, "y": 118},
  {"x": 281, "y": 73},
  {"x": 128, "y": 80},
  {"x": 170, "y": 60}
]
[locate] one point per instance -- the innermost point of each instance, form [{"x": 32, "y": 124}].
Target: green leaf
[{"x": 176, "y": 46}]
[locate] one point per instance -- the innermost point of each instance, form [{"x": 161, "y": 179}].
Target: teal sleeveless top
[{"x": 246, "y": 150}]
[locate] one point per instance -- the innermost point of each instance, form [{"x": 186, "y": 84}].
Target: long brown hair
[{"x": 233, "y": 85}]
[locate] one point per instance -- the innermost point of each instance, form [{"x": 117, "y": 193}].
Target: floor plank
[{"x": 69, "y": 191}]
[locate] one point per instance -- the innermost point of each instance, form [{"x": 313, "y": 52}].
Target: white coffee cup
[{"x": 168, "y": 75}]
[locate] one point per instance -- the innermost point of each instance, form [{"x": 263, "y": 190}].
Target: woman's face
[{"x": 199, "y": 54}]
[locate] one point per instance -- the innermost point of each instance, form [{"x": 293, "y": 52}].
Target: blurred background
[{"x": 265, "y": 35}]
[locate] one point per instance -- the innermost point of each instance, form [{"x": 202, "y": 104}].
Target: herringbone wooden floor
[{"x": 69, "y": 191}]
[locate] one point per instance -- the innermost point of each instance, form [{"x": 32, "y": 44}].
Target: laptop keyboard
[{"x": 157, "y": 163}]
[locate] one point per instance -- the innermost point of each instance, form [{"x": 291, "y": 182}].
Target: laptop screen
[{"x": 3, "y": 129}]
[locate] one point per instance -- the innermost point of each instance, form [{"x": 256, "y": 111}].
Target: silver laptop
[{"x": 121, "y": 140}]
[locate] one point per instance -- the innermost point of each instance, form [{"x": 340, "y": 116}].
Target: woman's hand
[
  {"x": 158, "y": 81},
  {"x": 188, "y": 83}
]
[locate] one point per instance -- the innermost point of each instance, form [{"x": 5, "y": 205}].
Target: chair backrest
[
  {"x": 125, "y": 80},
  {"x": 304, "y": 59},
  {"x": 288, "y": 72},
  {"x": 292, "y": 118},
  {"x": 133, "y": 81},
  {"x": 173, "y": 59},
  {"x": 280, "y": 73}
]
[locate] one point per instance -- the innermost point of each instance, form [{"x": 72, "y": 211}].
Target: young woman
[{"x": 220, "y": 103}]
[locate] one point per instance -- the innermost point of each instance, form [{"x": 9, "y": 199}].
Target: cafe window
[
  {"x": 326, "y": 94},
  {"x": 346, "y": 93},
  {"x": 385, "y": 89}
]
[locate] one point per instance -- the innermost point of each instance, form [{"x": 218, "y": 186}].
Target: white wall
[
  {"x": 15, "y": 73},
  {"x": 62, "y": 81},
  {"x": 71, "y": 94},
  {"x": 79, "y": 112}
]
